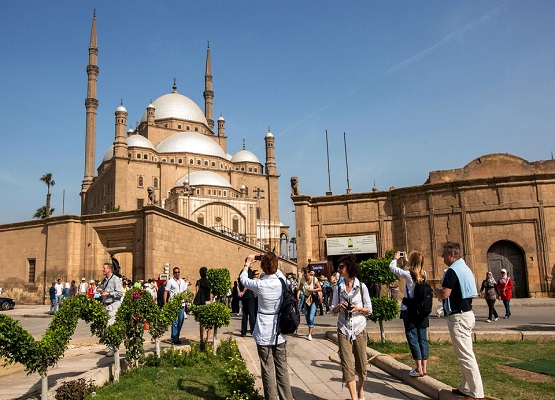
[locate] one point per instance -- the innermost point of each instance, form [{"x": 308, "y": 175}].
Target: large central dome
[
  {"x": 175, "y": 105},
  {"x": 190, "y": 142}
]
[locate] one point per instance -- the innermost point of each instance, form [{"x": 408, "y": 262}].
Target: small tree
[
  {"x": 214, "y": 315},
  {"x": 375, "y": 273},
  {"x": 41, "y": 213},
  {"x": 47, "y": 179}
]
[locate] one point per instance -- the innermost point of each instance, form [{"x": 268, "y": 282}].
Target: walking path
[{"x": 312, "y": 364}]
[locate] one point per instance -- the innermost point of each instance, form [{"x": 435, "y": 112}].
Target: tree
[
  {"x": 41, "y": 213},
  {"x": 375, "y": 273},
  {"x": 47, "y": 179}
]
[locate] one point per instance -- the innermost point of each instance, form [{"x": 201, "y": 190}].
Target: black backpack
[
  {"x": 288, "y": 315},
  {"x": 423, "y": 299}
]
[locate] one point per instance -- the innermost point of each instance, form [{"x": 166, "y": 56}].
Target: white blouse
[
  {"x": 269, "y": 290},
  {"x": 406, "y": 276},
  {"x": 351, "y": 327}
]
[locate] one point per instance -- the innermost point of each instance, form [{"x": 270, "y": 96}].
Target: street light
[
  {"x": 188, "y": 191},
  {"x": 258, "y": 197}
]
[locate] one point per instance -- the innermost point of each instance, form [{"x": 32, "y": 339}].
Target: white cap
[{"x": 504, "y": 270}]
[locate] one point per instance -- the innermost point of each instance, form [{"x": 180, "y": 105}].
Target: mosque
[{"x": 167, "y": 193}]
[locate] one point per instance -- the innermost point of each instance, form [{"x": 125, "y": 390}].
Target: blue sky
[{"x": 416, "y": 86}]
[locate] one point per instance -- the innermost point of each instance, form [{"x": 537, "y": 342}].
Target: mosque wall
[{"x": 490, "y": 202}]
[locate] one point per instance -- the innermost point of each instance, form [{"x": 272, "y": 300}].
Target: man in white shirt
[
  {"x": 176, "y": 285},
  {"x": 59, "y": 288},
  {"x": 83, "y": 286}
]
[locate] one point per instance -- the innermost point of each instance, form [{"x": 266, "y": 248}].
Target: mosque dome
[
  {"x": 244, "y": 156},
  {"x": 190, "y": 142},
  {"x": 121, "y": 108},
  {"x": 175, "y": 105},
  {"x": 204, "y": 178},
  {"x": 109, "y": 154},
  {"x": 139, "y": 141},
  {"x": 228, "y": 156},
  {"x": 269, "y": 134}
]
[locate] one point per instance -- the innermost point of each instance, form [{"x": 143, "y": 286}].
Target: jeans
[
  {"x": 460, "y": 329},
  {"x": 248, "y": 314},
  {"x": 416, "y": 338},
  {"x": 53, "y": 306},
  {"x": 275, "y": 377},
  {"x": 507, "y": 305},
  {"x": 301, "y": 302},
  {"x": 309, "y": 313},
  {"x": 177, "y": 324}
]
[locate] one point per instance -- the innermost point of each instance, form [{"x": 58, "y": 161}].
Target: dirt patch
[
  {"x": 6, "y": 369},
  {"x": 523, "y": 375}
]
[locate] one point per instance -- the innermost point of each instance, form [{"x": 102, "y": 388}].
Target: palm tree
[
  {"x": 47, "y": 179},
  {"x": 41, "y": 213}
]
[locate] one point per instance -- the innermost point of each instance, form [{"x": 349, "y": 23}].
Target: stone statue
[
  {"x": 152, "y": 196},
  {"x": 294, "y": 186}
]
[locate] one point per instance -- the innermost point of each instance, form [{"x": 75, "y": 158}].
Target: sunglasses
[{"x": 341, "y": 266}]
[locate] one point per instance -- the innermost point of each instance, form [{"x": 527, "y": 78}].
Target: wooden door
[{"x": 507, "y": 255}]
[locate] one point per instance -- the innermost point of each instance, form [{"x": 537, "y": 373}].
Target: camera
[
  {"x": 258, "y": 257},
  {"x": 401, "y": 254}
]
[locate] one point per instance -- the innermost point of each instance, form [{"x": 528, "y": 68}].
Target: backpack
[
  {"x": 423, "y": 299},
  {"x": 288, "y": 314}
]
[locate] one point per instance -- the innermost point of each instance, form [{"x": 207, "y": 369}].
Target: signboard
[
  {"x": 351, "y": 245},
  {"x": 317, "y": 267}
]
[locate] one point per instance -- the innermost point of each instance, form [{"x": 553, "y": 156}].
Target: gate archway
[{"x": 505, "y": 254}]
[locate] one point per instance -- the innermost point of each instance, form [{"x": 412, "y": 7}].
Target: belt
[{"x": 459, "y": 312}]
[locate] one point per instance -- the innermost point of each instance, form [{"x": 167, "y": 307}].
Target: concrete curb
[{"x": 429, "y": 386}]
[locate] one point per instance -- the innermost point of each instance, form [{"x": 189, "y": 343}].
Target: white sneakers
[
  {"x": 309, "y": 337},
  {"x": 414, "y": 373}
]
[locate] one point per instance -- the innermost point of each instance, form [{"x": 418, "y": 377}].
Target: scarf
[{"x": 504, "y": 280}]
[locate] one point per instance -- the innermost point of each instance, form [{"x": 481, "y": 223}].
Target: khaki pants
[
  {"x": 353, "y": 356},
  {"x": 460, "y": 329},
  {"x": 275, "y": 376}
]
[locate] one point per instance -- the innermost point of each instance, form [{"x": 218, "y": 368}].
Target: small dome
[
  {"x": 204, "y": 178},
  {"x": 175, "y": 105},
  {"x": 221, "y": 118},
  {"x": 244, "y": 156},
  {"x": 150, "y": 106},
  {"x": 190, "y": 142},
  {"x": 228, "y": 156},
  {"x": 130, "y": 131},
  {"x": 121, "y": 108},
  {"x": 269, "y": 134},
  {"x": 139, "y": 141},
  {"x": 109, "y": 154}
]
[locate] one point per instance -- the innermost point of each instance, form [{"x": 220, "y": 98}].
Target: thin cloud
[{"x": 446, "y": 40}]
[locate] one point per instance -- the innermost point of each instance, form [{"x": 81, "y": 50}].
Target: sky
[{"x": 416, "y": 86}]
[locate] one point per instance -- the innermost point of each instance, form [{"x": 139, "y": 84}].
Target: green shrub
[{"x": 384, "y": 309}]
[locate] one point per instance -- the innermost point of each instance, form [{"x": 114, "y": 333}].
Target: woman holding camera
[
  {"x": 415, "y": 327},
  {"x": 271, "y": 350},
  {"x": 351, "y": 300},
  {"x": 309, "y": 286}
]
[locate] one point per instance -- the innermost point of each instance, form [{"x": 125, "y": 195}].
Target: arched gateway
[{"x": 505, "y": 254}]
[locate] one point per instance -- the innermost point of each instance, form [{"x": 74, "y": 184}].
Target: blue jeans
[
  {"x": 417, "y": 338},
  {"x": 53, "y": 305},
  {"x": 309, "y": 313},
  {"x": 177, "y": 324},
  {"x": 301, "y": 302},
  {"x": 507, "y": 305}
]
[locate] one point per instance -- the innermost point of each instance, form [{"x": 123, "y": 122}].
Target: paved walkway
[{"x": 313, "y": 373}]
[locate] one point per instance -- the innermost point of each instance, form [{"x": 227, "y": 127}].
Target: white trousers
[{"x": 460, "y": 329}]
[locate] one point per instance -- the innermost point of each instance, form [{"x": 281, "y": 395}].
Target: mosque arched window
[
  {"x": 199, "y": 162},
  {"x": 140, "y": 182},
  {"x": 139, "y": 156},
  {"x": 250, "y": 169},
  {"x": 191, "y": 161},
  {"x": 206, "y": 163},
  {"x": 213, "y": 164},
  {"x": 145, "y": 157},
  {"x": 200, "y": 219},
  {"x": 235, "y": 224},
  {"x": 180, "y": 161},
  {"x": 179, "y": 126},
  {"x": 155, "y": 182},
  {"x": 196, "y": 129}
]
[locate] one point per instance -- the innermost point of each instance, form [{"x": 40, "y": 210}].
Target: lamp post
[
  {"x": 259, "y": 231},
  {"x": 188, "y": 191}
]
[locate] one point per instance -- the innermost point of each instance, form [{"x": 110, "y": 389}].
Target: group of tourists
[{"x": 500, "y": 289}]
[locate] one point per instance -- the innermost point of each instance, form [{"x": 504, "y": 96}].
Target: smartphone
[
  {"x": 258, "y": 257},
  {"x": 401, "y": 254}
]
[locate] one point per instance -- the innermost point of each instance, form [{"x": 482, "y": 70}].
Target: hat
[
  {"x": 92, "y": 281},
  {"x": 82, "y": 279},
  {"x": 504, "y": 270}
]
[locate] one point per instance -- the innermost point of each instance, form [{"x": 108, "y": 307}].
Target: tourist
[
  {"x": 505, "y": 286},
  {"x": 176, "y": 285},
  {"x": 415, "y": 327},
  {"x": 247, "y": 303},
  {"x": 271, "y": 349},
  {"x": 351, "y": 300},
  {"x": 110, "y": 291},
  {"x": 309, "y": 286},
  {"x": 491, "y": 294},
  {"x": 203, "y": 296},
  {"x": 83, "y": 286},
  {"x": 458, "y": 289},
  {"x": 53, "y": 301}
]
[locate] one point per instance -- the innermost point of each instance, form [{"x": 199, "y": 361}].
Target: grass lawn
[{"x": 500, "y": 380}]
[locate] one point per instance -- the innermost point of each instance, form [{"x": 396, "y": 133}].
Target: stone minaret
[
  {"x": 208, "y": 93},
  {"x": 91, "y": 105},
  {"x": 270, "y": 154},
  {"x": 120, "y": 142}
]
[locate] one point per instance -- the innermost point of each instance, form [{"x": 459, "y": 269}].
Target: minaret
[
  {"x": 120, "y": 142},
  {"x": 91, "y": 105},
  {"x": 270, "y": 155},
  {"x": 208, "y": 93}
]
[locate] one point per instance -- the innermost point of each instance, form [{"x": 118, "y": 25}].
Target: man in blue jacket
[{"x": 458, "y": 289}]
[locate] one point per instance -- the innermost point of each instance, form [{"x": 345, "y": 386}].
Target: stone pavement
[{"x": 313, "y": 369}]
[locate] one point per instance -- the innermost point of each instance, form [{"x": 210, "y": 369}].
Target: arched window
[
  {"x": 155, "y": 182},
  {"x": 138, "y": 156},
  {"x": 145, "y": 157},
  {"x": 200, "y": 219},
  {"x": 235, "y": 224},
  {"x": 140, "y": 181}
]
